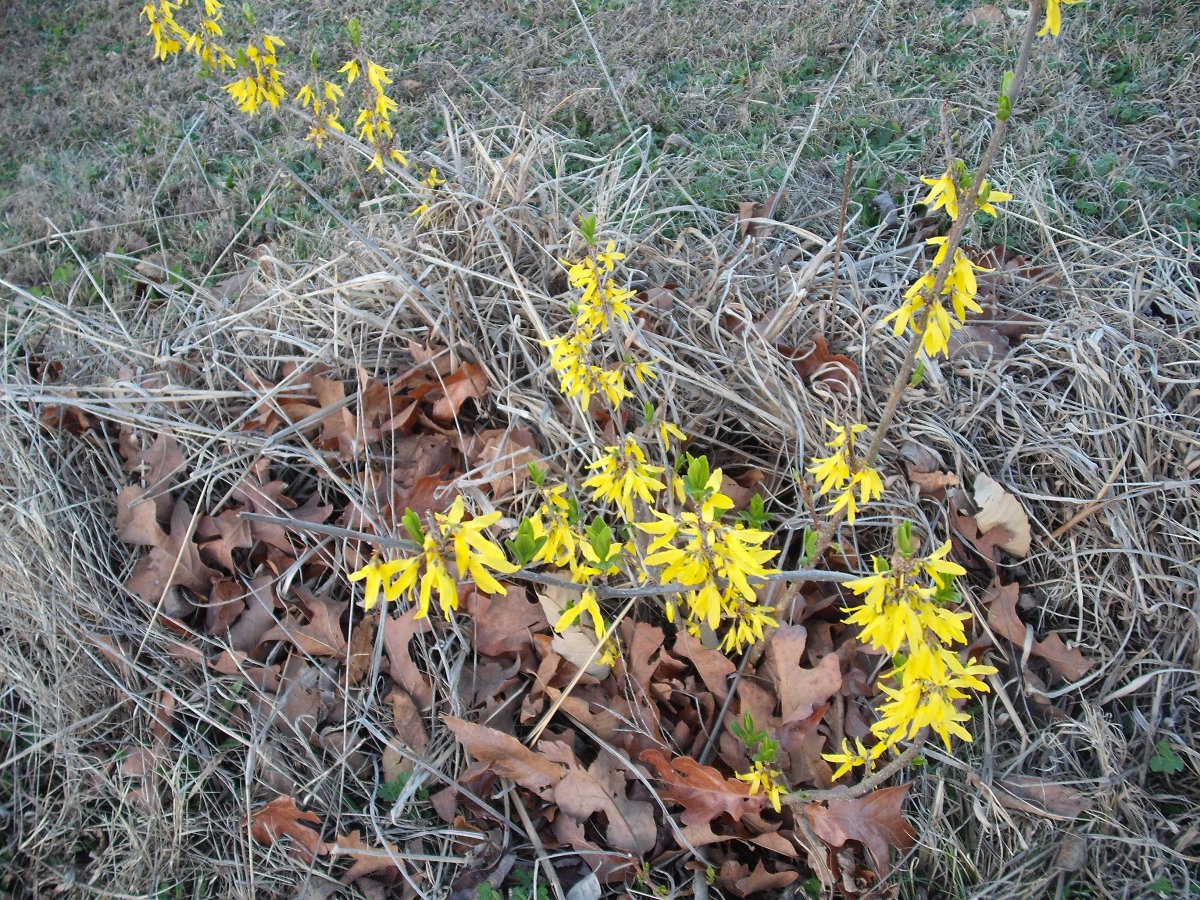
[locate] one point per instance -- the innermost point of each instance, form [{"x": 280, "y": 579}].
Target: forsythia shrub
[{"x": 648, "y": 515}]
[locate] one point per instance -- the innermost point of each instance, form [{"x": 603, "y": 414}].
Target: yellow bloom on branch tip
[
  {"x": 1053, "y": 23},
  {"x": 852, "y": 758},
  {"x": 763, "y": 777},
  {"x": 589, "y": 604},
  {"x": 474, "y": 552},
  {"x": 942, "y": 193},
  {"x": 623, "y": 474}
]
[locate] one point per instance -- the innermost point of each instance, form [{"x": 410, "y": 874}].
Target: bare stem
[
  {"x": 966, "y": 210},
  {"x": 850, "y": 791}
]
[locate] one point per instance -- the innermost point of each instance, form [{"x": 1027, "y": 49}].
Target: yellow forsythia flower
[{"x": 1053, "y": 23}]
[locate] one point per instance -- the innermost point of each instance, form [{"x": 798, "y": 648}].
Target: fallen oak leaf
[
  {"x": 281, "y": 817},
  {"x": 876, "y": 821},
  {"x": 220, "y": 535},
  {"x": 468, "y": 382},
  {"x": 601, "y": 789},
  {"x": 507, "y": 757},
  {"x": 368, "y": 860},
  {"x": 1001, "y": 605},
  {"x": 702, "y": 791},
  {"x": 321, "y": 635}
]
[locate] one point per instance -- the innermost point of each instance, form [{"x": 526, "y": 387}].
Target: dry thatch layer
[{"x": 1091, "y": 421}]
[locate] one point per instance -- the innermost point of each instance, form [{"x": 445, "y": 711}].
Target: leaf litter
[{"x": 255, "y": 610}]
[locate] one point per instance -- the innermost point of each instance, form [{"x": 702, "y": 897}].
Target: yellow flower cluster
[
  {"x": 374, "y": 122},
  {"x": 960, "y": 287},
  {"x": 431, "y": 182},
  {"x": 622, "y": 474},
  {"x": 717, "y": 560},
  {"x": 261, "y": 85},
  {"x": 171, "y": 38},
  {"x": 473, "y": 555},
  {"x": 842, "y": 472},
  {"x": 324, "y": 109},
  {"x": 906, "y": 613},
  {"x": 601, "y": 303},
  {"x": 764, "y": 777},
  {"x": 924, "y": 308}
]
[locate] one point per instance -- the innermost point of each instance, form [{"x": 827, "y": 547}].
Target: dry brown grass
[
  {"x": 1096, "y": 411},
  {"x": 1097, "y": 407}
]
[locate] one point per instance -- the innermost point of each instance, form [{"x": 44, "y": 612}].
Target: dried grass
[{"x": 1096, "y": 412}]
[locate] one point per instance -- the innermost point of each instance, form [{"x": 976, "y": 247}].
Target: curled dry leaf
[
  {"x": 819, "y": 366},
  {"x": 997, "y": 507},
  {"x": 368, "y": 860},
  {"x": 282, "y": 818},
  {"x": 467, "y": 382}
]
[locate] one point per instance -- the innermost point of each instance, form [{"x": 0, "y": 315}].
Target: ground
[{"x": 664, "y": 119}]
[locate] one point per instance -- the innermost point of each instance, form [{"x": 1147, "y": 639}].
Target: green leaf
[
  {"x": 412, "y": 524},
  {"x": 918, "y": 374},
  {"x": 536, "y": 473},
  {"x": 526, "y": 545},
  {"x": 599, "y": 535},
  {"x": 1165, "y": 760},
  {"x": 904, "y": 539},
  {"x": 354, "y": 28},
  {"x": 648, "y": 412},
  {"x": 248, "y": 14},
  {"x": 811, "y": 536},
  {"x": 695, "y": 482},
  {"x": 756, "y": 515},
  {"x": 390, "y": 791},
  {"x": 587, "y": 227}
]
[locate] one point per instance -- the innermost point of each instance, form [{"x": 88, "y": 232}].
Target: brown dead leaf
[
  {"x": 281, "y": 817},
  {"x": 362, "y": 647},
  {"x": 762, "y": 880},
  {"x": 701, "y": 790},
  {"x": 175, "y": 561},
  {"x": 713, "y": 666},
  {"x": 506, "y": 625},
  {"x": 221, "y": 535},
  {"x": 876, "y": 821},
  {"x": 601, "y": 789},
  {"x": 137, "y": 519},
  {"x": 507, "y": 757},
  {"x": 467, "y": 382},
  {"x": 984, "y": 15},
  {"x": 1001, "y": 604},
  {"x": 321, "y": 635},
  {"x": 505, "y": 460},
  {"x": 259, "y": 617},
  {"x": 817, "y": 365},
  {"x": 368, "y": 860},
  {"x": 999, "y": 508},
  {"x": 801, "y": 690},
  {"x": 1039, "y": 797},
  {"x": 398, "y": 631},
  {"x": 409, "y": 726}
]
